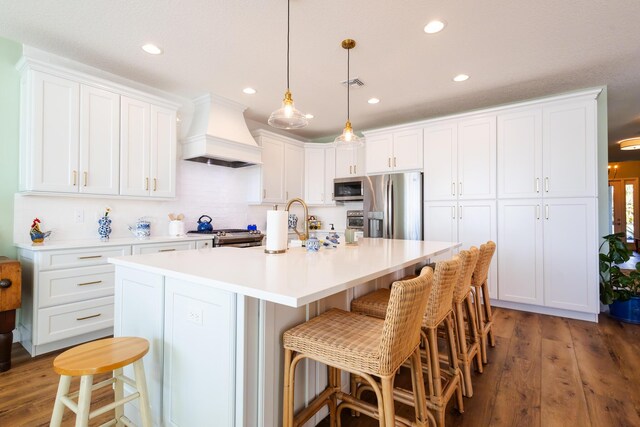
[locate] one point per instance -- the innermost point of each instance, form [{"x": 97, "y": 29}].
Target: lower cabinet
[{"x": 548, "y": 253}]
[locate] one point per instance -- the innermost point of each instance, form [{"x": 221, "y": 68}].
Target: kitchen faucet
[{"x": 303, "y": 236}]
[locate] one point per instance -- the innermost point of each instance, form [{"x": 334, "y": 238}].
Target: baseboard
[
  {"x": 589, "y": 317},
  {"x": 16, "y": 336}
]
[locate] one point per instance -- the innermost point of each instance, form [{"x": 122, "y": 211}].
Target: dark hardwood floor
[{"x": 544, "y": 371}]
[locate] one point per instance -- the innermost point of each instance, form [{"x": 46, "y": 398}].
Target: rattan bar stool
[
  {"x": 481, "y": 297},
  {"x": 368, "y": 347},
  {"x": 468, "y": 345},
  {"x": 443, "y": 382},
  {"x": 86, "y": 360}
]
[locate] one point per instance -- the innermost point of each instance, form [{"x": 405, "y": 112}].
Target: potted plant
[{"x": 619, "y": 288}]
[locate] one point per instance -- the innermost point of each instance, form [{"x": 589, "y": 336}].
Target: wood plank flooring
[{"x": 544, "y": 371}]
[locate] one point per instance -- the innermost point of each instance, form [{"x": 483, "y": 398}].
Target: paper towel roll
[{"x": 277, "y": 229}]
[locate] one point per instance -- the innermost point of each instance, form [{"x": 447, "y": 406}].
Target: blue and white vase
[{"x": 104, "y": 228}]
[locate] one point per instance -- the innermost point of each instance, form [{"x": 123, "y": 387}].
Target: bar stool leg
[
  {"x": 489, "y": 314},
  {"x": 84, "y": 401},
  {"x": 480, "y": 317},
  {"x": 141, "y": 386},
  {"x": 58, "y": 407},
  {"x": 118, "y": 388},
  {"x": 473, "y": 331},
  {"x": 387, "y": 401}
]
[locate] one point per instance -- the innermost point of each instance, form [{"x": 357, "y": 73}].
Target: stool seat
[{"x": 96, "y": 357}]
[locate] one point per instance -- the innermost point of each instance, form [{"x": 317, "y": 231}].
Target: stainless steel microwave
[{"x": 348, "y": 189}]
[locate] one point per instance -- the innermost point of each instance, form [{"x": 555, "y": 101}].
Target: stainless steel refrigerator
[{"x": 393, "y": 206}]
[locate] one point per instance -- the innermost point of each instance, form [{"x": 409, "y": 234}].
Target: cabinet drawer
[
  {"x": 57, "y": 287},
  {"x": 153, "y": 248},
  {"x": 68, "y": 320},
  {"x": 204, "y": 244},
  {"x": 69, "y": 258}
]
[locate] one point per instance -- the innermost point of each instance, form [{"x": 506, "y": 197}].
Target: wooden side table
[{"x": 10, "y": 294}]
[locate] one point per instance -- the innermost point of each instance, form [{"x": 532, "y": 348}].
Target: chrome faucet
[{"x": 303, "y": 236}]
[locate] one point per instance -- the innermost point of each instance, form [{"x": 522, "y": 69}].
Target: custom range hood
[{"x": 219, "y": 135}]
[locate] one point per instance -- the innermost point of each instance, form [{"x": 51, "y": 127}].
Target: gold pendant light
[
  {"x": 348, "y": 138},
  {"x": 287, "y": 117}
]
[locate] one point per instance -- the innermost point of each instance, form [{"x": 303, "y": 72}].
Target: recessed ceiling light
[
  {"x": 309, "y": 116},
  {"x": 373, "y": 100},
  {"x": 460, "y": 78},
  {"x": 434, "y": 27},
  {"x": 152, "y": 49},
  {"x": 249, "y": 90}
]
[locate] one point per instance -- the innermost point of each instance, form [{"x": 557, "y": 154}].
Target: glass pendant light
[
  {"x": 287, "y": 117},
  {"x": 348, "y": 138}
]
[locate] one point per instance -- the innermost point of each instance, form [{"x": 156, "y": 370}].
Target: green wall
[{"x": 10, "y": 52}]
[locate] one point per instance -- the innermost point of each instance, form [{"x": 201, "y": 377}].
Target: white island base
[{"x": 215, "y": 318}]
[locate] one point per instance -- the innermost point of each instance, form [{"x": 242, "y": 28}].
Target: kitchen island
[{"x": 215, "y": 317}]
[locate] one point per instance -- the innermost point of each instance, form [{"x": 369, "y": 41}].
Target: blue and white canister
[
  {"x": 104, "y": 228},
  {"x": 313, "y": 244}
]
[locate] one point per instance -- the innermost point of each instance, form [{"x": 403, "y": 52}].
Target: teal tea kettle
[{"x": 204, "y": 223}]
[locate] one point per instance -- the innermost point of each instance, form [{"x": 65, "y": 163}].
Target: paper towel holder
[{"x": 273, "y": 251}]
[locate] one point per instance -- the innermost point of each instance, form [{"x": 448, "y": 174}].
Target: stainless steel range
[{"x": 235, "y": 237}]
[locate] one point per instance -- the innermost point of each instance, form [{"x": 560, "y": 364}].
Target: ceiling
[{"x": 512, "y": 49}]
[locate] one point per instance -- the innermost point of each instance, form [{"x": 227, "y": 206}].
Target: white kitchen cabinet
[
  {"x": 472, "y": 223},
  {"x": 282, "y": 170},
  {"x": 349, "y": 161},
  {"x": 99, "y": 171},
  {"x": 394, "y": 152},
  {"x": 460, "y": 159},
  {"x": 520, "y": 227},
  {"x": 520, "y": 153},
  {"x": 319, "y": 174},
  {"x": 148, "y": 149},
  {"x": 569, "y": 148},
  {"x": 152, "y": 248}
]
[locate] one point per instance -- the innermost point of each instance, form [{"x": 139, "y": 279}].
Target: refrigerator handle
[
  {"x": 387, "y": 207},
  {"x": 391, "y": 213}
]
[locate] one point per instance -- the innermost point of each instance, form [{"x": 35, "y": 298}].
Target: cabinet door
[
  {"x": 55, "y": 134},
  {"x": 407, "y": 150},
  {"x": 162, "y": 170},
  {"x": 293, "y": 171},
  {"x": 440, "y": 224},
  {"x": 569, "y": 149},
  {"x": 345, "y": 164},
  {"x": 571, "y": 254},
  {"x": 314, "y": 182},
  {"x": 134, "y": 147},
  {"x": 520, "y": 154},
  {"x": 379, "y": 154},
  {"x": 440, "y": 162},
  {"x": 272, "y": 171},
  {"x": 477, "y": 225},
  {"x": 200, "y": 323},
  {"x": 99, "y": 141},
  {"x": 329, "y": 174},
  {"x": 521, "y": 246},
  {"x": 477, "y": 158}
]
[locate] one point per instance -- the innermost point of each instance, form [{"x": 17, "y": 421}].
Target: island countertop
[{"x": 293, "y": 279}]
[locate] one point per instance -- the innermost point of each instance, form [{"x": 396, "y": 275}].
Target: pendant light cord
[
  {"x": 348, "y": 85},
  {"x": 288, "y": 32}
]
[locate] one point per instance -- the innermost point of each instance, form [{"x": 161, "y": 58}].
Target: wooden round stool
[{"x": 86, "y": 360}]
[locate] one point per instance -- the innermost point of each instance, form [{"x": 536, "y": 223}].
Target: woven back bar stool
[
  {"x": 481, "y": 297},
  {"x": 365, "y": 346},
  {"x": 443, "y": 382},
  {"x": 87, "y": 360},
  {"x": 468, "y": 345}
]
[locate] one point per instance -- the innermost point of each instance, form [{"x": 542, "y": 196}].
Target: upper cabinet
[
  {"x": 148, "y": 149},
  {"x": 460, "y": 159},
  {"x": 349, "y": 161},
  {"x": 81, "y": 134},
  {"x": 282, "y": 169},
  {"x": 394, "y": 152},
  {"x": 320, "y": 170},
  {"x": 548, "y": 150}
]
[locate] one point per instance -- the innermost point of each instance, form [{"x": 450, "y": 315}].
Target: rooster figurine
[{"x": 37, "y": 236}]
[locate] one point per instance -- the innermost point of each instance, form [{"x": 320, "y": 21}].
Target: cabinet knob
[{"x": 5, "y": 283}]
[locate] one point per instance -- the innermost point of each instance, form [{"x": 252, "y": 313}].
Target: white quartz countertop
[
  {"x": 119, "y": 241},
  {"x": 295, "y": 278}
]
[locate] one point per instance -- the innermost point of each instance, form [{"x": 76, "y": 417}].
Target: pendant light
[
  {"x": 348, "y": 138},
  {"x": 287, "y": 117}
]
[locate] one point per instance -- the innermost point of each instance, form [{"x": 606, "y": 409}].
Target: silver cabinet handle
[
  {"x": 537, "y": 211},
  {"x": 90, "y": 257},
  {"x": 453, "y": 188},
  {"x": 155, "y": 184},
  {"x": 355, "y": 169},
  {"x": 75, "y": 177},
  {"x": 86, "y": 178},
  {"x": 460, "y": 211},
  {"x": 394, "y": 162},
  {"x": 264, "y": 193},
  {"x": 460, "y": 188},
  {"x": 453, "y": 212},
  {"x": 90, "y": 283},
  {"x": 89, "y": 317},
  {"x": 286, "y": 195},
  {"x": 546, "y": 184},
  {"x": 166, "y": 250},
  {"x": 333, "y": 197},
  {"x": 146, "y": 184},
  {"x": 537, "y": 185},
  {"x": 350, "y": 169},
  {"x": 546, "y": 211},
  {"x": 389, "y": 161}
]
